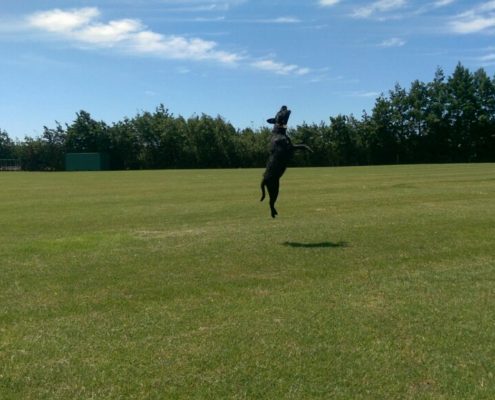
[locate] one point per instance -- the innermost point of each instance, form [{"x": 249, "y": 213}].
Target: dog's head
[{"x": 281, "y": 118}]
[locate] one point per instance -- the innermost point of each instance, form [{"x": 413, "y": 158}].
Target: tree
[
  {"x": 484, "y": 128},
  {"x": 321, "y": 139},
  {"x": 251, "y": 147},
  {"x": 347, "y": 143},
  {"x": 436, "y": 142},
  {"x": 31, "y": 153},
  {"x": 87, "y": 135},
  {"x": 6, "y": 145},
  {"x": 382, "y": 139},
  {"x": 52, "y": 147},
  {"x": 450, "y": 119},
  {"x": 461, "y": 114},
  {"x": 125, "y": 146},
  {"x": 210, "y": 139},
  {"x": 418, "y": 102}
]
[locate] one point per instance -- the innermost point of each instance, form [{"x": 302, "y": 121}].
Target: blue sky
[{"x": 241, "y": 59}]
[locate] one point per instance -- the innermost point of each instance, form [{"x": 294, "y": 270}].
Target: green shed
[{"x": 86, "y": 161}]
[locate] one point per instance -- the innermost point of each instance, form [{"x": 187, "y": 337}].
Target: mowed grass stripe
[{"x": 373, "y": 283}]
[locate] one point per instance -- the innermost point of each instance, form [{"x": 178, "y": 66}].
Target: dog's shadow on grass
[{"x": 315, "y": 245}]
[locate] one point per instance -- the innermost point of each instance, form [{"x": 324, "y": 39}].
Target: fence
[{"x": 10, "y": 164}]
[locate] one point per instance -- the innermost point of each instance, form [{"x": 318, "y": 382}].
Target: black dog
[{"x": 281, "y": 151}]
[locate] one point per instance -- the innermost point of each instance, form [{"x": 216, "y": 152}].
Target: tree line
[{"x": 450, "y": 119}]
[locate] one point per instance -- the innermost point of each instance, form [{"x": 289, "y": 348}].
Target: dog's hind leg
[
  {"x": 263, "y": 184},
  {"x": 273, "y": 189}
]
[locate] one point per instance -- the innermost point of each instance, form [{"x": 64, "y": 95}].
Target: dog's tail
[{"x": 263, "y": 190}]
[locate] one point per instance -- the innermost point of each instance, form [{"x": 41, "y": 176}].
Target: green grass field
[{"x": 373, "y": 283}]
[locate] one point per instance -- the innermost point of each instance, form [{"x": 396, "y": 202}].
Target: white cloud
[
  {"x": 379, "y": 6},
  {"x": 109, "y": 34},
  {"x": 364, "y": 94},
  {"x": 280, "y": 68},
  {"x": 183, "y": 70},
  {"x": 83, "y": 27},
  {"x": 488, "y": 57},
  {"x": 393, "y": 42},
  {"x": 130, "y": 35},
  {"x": 277, "y": 20},
  {"x": 472, "y": 25},
  {"x": 435, "y": 5},
  {"x": 475, "y": 20},
  {"x": 487, "y": 60},
  {"x": 328, "y": 3},
  {"x": 442, "y": 3},
  {"x": 389, "y": 9},
  {"x": 285, "y": 20},
  {"x": 63, "y": 21},
  {"x": 200, "y": 5}
]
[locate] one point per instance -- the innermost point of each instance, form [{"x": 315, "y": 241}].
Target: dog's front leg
[{"x": 302, "y": 147}]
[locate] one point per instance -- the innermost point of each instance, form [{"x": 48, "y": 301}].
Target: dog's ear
[{"x": 271, "y": 120}]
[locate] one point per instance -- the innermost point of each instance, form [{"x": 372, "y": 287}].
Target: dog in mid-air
[{"x": 281, "y": 151}]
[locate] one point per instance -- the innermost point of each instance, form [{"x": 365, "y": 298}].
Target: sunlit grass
[{"x": 373, "y": 283}]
